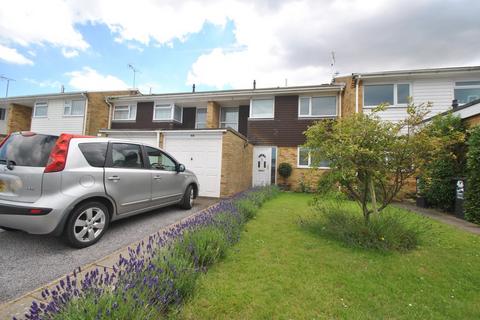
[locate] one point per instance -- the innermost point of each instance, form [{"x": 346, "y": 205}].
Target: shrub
[
  {"x": 447, "y": 161},
  {"x": 285, "y": 170},
  {"x": 202, "y": 246},
  {"x": 389, "y": 231},
  {"x": 472, "y": 188}
]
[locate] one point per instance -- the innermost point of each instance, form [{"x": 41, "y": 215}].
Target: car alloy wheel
[{"x": 89, "y": 224}]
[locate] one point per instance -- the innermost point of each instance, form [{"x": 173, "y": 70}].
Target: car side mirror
[{"x": 180, "y": 167}]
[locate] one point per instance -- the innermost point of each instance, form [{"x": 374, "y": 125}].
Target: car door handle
[
  {"x": 113, "y": 178},
  {"x": 157, "y": 177}
]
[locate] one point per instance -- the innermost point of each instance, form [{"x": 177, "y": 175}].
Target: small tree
[
  {"x": 472, "y": 189},
  {"x": 285, "y": 171},
  {"x": 369, "y": 158}
]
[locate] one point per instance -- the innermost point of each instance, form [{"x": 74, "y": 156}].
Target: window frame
[
  {"x": 395, "y": 93},
  {"x": 148, "y": 165},
  {"x": 309, "y": 166},
  {"x": 310, "y": 98},
  {"x": 196, "y": 117},
  {"x": 71, "y": 108},
  {"x": 251, "y": 116},
  {"x": 220, "y": 122},
  {"x": 35, "y": 106},
  {"x": 109, "y": 158},
  {"x": 130, "y": 106},
  {"x": 455, "y": 86},
  {"x": 171, "y": 106}
]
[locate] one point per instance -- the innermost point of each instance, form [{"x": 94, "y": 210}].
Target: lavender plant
[{"x": 156, "y": 275}]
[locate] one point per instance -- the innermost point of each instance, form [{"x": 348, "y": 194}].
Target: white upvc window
[
  {"x": 467, "y": 91},
  {"x": 125, "y": 112},
  {"x": 262, "y": 108},
  {"x": 167, "y": 112},
  {"x": 40, "y": 110},
  {"x": 229, "y": 117},
  {"x": 323, "y": 106},
  {"x": 201, "y": 118},
  {"x": 304, "y": 159},
  {"x": 74, "y": 108},
  {"x": 394, "y": 94}
]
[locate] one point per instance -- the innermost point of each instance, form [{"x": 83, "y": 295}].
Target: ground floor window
[
  {"x": 304, "y": 159},
  {"x": 3, "y": 113}
]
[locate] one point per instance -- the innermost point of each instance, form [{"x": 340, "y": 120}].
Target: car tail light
[
  {"x": 35, "y": 211},
  {"x": 4, "y": 140},
  {"x": 58, "y": 156}
]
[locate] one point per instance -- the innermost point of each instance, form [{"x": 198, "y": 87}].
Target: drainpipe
[
  {"x": 356, "y": 93},
  {"x": 109, "y": 125},
  {"x": 340, "y": 104},
  {"x": 85, "y": 113}
]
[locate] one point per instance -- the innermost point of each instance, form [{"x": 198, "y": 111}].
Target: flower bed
[{"x": 158, "y": 274}]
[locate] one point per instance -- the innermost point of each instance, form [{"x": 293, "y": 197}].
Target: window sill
[
  {"x": 250, "y": 118},
  {"x": 317, "y": 117},
  {"x": 73, "y": 116},
  {"x": 166, "y": 120},
  {"x": 307, "y": 167},
  {"x": 124, "y": 120}
]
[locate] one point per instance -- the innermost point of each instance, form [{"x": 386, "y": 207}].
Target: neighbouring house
[
  {"x": 70, "y": 112},
  {"x": 231, "y": 139},
  {"x": 439, "y": 86}
]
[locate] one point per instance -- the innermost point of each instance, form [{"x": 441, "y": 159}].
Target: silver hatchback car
[{"x": 75, "y": 185}]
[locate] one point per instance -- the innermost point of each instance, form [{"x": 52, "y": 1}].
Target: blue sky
[{"x": 222, "y": 44}]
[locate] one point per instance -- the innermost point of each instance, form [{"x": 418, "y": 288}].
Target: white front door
[{"x": 262, "y": 165}]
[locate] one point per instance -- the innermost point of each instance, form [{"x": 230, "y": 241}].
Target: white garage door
[
  {"x": 200, "y": 152},
  {"x": 143, "y": 137}
]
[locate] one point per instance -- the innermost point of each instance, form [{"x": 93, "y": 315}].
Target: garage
[
  {"x": 200, "y": 152},
  {"x": 220, "y": 158}
]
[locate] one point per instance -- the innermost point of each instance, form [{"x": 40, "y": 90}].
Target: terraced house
[
  {"x": 231, "y": 139},
  {"x": 66, "y": 112}
]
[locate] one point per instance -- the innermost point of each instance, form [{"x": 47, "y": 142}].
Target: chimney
[
  {"x": 193, "y": 88},
  {"x": 454, "y": 103},
  {"x": 254, "y": 84},
  {"x": 62, "y": 89}
]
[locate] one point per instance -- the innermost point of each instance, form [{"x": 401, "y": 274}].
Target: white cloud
[
  {"x": 69, "y": 53},
  {"x": 90, "y": 79},
  {"x": 11, "y": 55},
  {"x": 44, "y": 83}
]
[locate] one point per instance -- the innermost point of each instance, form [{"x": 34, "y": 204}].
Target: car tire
[
  {"x": 84, "y": 226},
  {"x": 187, "y": 200}
]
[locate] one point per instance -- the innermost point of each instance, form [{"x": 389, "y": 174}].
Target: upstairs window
[
  {"x": 262, "y": 108},
  {"x": 467, "y": 91},
  {"x": 393, "y": 94},
  {"x": 74, "y": 108},
  {"x": 125, "y": 112},
  {"x": 40, "y": 110},
  {"x": 229, "y": 118},
  {"x": 318, "y": 106},
  {"x": 167, "y": 112},
  {"x": 201, "y": 118},
  {"x": 3, "y": 113}
]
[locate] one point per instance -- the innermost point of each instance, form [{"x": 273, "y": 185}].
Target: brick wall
[
  {"x": 19, "y": 118},
  {"x": 348, "y": 95},
  {"x": 97, "y": 111},
  {"x": 213, "y": 114},
  {"x": 308, "y": 176},
  {"x": 237, "y": 155}
]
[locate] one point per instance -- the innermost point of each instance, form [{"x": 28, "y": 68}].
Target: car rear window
[
  {"x": 94, "y": 152},
  {"x": 28, "y": 150}
]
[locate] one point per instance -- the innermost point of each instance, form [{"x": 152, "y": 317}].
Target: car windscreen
[{"x": 29, "y": 150}]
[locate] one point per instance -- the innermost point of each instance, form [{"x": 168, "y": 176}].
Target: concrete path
[
  {"x": 28, "y": 261},
  {"x": 441, "y": 216}
]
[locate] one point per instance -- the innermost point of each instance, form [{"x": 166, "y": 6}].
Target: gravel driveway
[{"x": 28, "y": 261}]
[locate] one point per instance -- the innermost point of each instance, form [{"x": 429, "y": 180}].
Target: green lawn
[{"x": 279, "y": 270}]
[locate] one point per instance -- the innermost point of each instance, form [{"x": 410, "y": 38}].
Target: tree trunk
[{"x": 373, "y": 197}]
